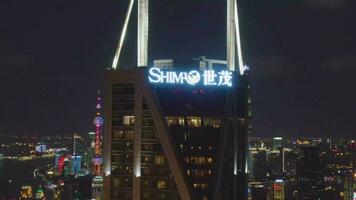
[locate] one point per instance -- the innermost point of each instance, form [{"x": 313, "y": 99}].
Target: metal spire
[
  {"x": 122, "y": 37},
  {"x": 238, "y": 40}
]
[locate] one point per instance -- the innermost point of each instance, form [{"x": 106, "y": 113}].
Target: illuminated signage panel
[{"x": 222, "y": 78}]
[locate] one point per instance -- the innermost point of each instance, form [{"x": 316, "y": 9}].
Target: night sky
[{"x": 302, "y": 55}]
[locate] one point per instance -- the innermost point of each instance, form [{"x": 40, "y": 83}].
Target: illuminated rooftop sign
[{"x": 222, "y": 78}]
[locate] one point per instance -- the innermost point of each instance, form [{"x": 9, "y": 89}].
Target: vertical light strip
[
  {"x": 238, "y": 40},
  {"x": 142, "y": 33},
  {"x": 230, "y": 36},
  {"x": 122, "y": 37},
  {"x": 138, "y": 133},
  {"x": 235, "y": 153},
  {"x": 136, "y": 183},
  {"x": 283, "y": 160}
]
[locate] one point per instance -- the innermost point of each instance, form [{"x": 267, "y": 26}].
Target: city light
[{"x": 206, "y": 77}]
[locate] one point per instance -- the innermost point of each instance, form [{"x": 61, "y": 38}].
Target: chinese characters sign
[{"x": 221, "y": 78}]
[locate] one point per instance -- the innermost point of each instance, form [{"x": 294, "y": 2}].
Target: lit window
[
  {"x": 159, "y": 160},
  {"x": 161, "y": 184},
  {"x": 129, "y": 135},
  {"x": 175, "y": 121},
  {"x": 202, "y": 186},
  {"x": 129, "y": 120},
  {"x": 198, "y": 160},
  {"x": 211, "y": 122},
  {"x": 209, "y": 160},
  {"x": 118, "y": 134},
  {"x": 181, "y": 147},
  {"x": 194, "y": 121}
]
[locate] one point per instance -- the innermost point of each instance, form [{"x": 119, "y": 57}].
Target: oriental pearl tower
[{"x": 98, "y": 122}]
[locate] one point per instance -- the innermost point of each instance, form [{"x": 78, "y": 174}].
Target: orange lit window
[
  {"x": 210, "y": 160},
  {"x": 161, "y": 184},
  {"x": 194, "y": 121},
  {"x": 175, "y": 121},
  {"x": 211, "y": 122},
  {"x": 159, "y": 160},
  {"x": 128, "y": 120}
]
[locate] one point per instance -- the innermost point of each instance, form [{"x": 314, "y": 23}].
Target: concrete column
[
  {"x": 142, "y": 33},
  {"x": 136, "y": 188},
  {"x": 230, "y": 35}
]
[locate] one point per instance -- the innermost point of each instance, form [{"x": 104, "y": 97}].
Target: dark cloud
[
  {"x": 341, "y": 62},
  {"x": 327, "y": 4}
]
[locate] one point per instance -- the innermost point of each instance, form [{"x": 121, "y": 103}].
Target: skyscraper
[
  {"x": 177, "y": 133},
  {"x": 164, "y": 141},
  {"x": 309, "y": 173}
]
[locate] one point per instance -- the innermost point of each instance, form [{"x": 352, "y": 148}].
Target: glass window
[
  {"x": 161, "y": 184},
  {"x": 118, "y": 146},
  {"x": 147, "y": 159},
  {"x": 123, "y": 89},
  {"x": 128, "y": 120},
  {"x": 129, "y": 135},
  {"x": 194, "y": 121},
  {"x": 147, "y": 122},
  {"x": 118, "y": 134},
  {"x": 211, "y": 122},
  {"x": 210, "y": 160},
  {"x": 200, "y": 160},
  {"x": 159, "y": 160},
  {"x": 175, "y": 121},
  {"x": 203, "y": 186},
  {"x": 148, "y": 134}
]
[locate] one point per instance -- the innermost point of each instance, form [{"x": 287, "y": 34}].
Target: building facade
[{"x": 164, "y": 141}]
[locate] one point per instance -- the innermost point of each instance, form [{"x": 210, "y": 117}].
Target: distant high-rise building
[
  {"x": 76, "y": 164},
  {"x": 97, "y": 187},
  {"x": 350, "y": 186},
  {"x": 277, "y": 192},
  {"x": 277, "y": 143},
  {"x": 352, "y": 148},
  {"x": 82, "y": 187},
  {"x": 26, "y": 192},
  {"x": 258, "y": 192},
  {"x": 258, "y": 167},
  {"x": 309, "y": 173},
  {"x": 78, "y": 145}
]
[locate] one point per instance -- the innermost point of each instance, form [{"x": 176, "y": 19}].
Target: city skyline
[{"x": 302, "y": 57}]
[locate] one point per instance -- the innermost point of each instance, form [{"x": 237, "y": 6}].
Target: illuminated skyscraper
[
  {"x": 165, "y": 140},
  {"x": 177, "y": 134},
  {"x": 26, "y": 192},
  {"x": 277, "y": 192}
]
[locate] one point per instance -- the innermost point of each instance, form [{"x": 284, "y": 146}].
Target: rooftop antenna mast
[
  {"x": 233, "y": 40},
  {"x": 142, "y": 34}
]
